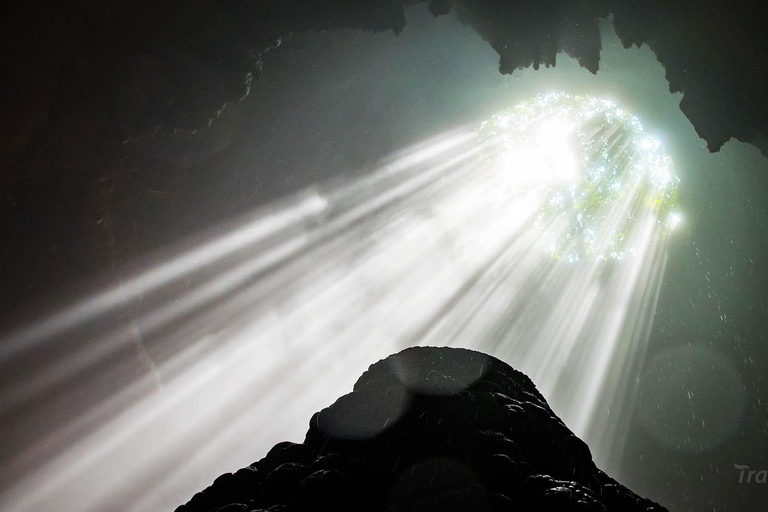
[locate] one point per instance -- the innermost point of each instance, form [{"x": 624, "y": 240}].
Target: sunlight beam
[{"x": 539, "y": 237}]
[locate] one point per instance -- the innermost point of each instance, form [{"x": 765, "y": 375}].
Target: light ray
[{"x": 539, "y": 238}]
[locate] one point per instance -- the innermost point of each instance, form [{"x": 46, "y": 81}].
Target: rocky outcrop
[
  {"x": 715, "y": 53},
  {"x": 428, "y": 429}
]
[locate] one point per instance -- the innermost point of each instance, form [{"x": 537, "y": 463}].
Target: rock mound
[{"x": 428, "y": 429}]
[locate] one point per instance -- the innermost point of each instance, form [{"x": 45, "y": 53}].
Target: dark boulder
[{"x": 427, "y": 429}]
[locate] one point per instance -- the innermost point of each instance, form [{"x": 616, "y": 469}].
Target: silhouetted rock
[
  {"x": 715, "y": 53},
  {"x": 428, "y": 429},
  {"x": 528, "y": 34}
]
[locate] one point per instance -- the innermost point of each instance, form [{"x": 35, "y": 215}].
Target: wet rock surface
[{"x": 427, "y": 429}]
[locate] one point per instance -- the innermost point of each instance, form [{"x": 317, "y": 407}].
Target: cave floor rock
[{"x": 428, "y": 429}]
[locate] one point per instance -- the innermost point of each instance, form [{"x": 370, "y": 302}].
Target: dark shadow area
[{"x": 429, "y": 429}]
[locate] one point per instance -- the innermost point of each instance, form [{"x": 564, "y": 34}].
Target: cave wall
[{"x": 94, "y": 93}]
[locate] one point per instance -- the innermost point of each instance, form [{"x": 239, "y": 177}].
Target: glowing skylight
[{"x": 600, "y": 168}]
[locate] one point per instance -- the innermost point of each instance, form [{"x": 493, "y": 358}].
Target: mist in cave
[{"x": 369, "y": 192}]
